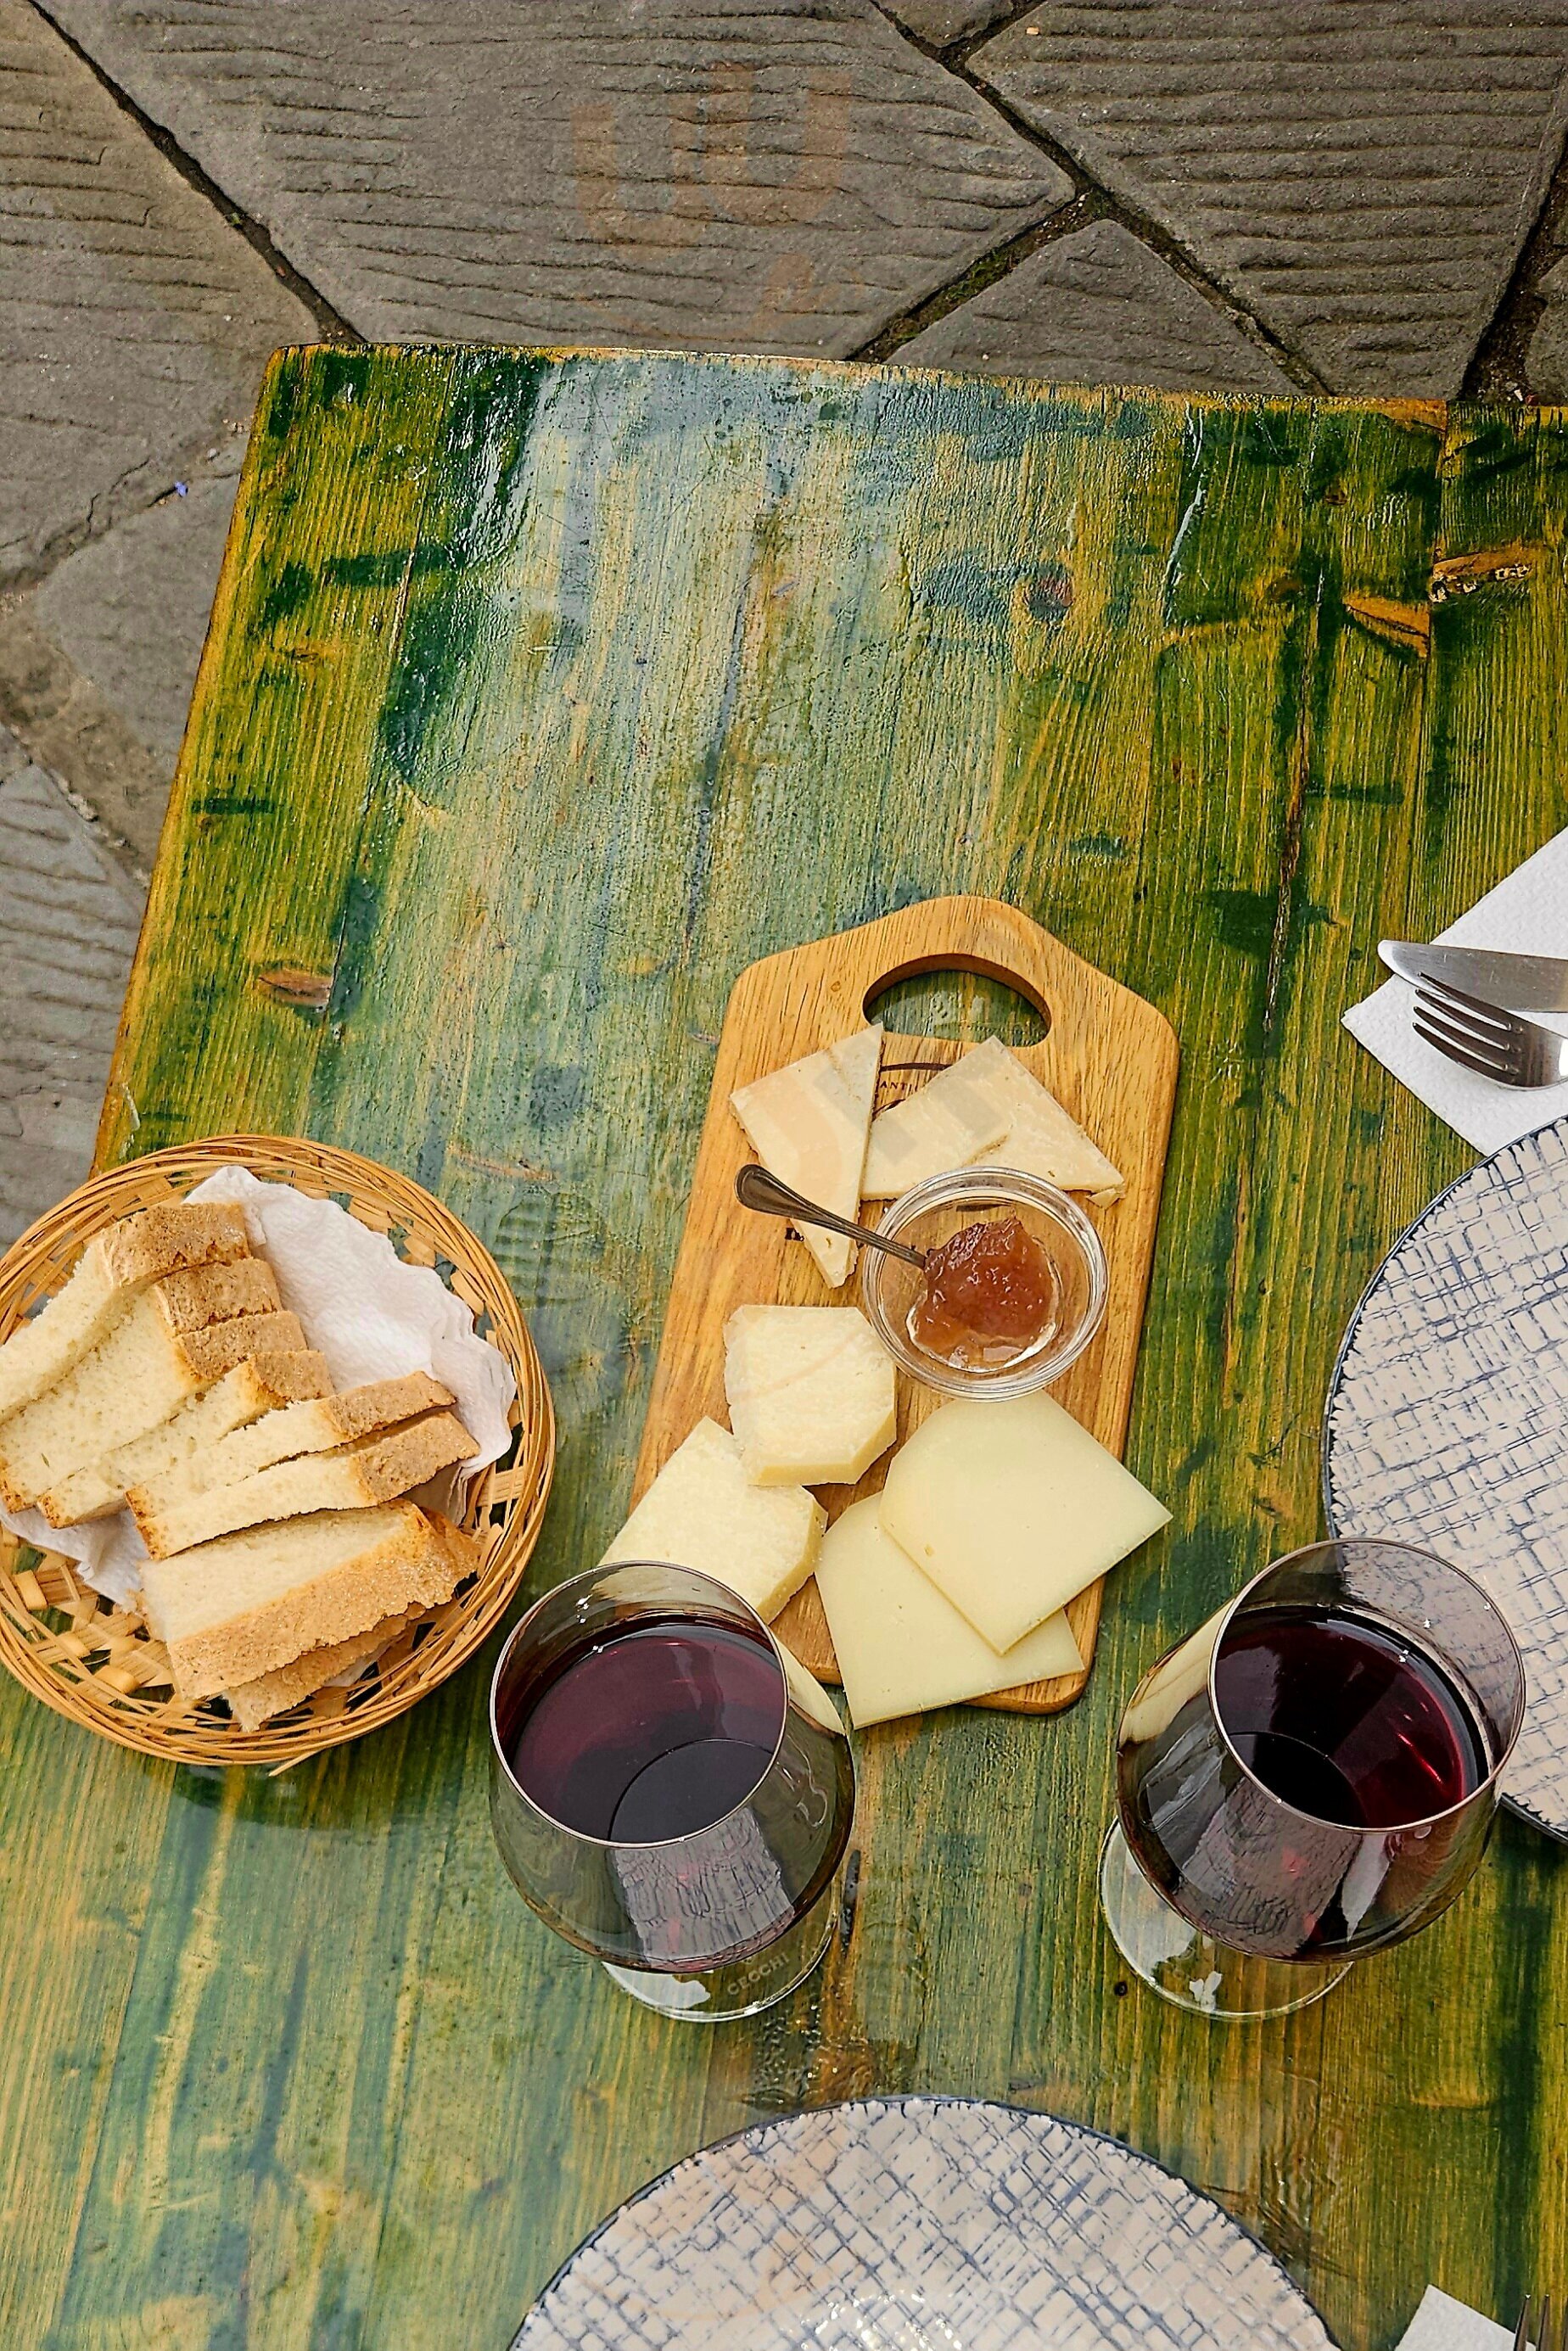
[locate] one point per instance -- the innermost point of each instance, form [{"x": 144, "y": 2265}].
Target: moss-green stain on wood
[{"x": 545, "y": 692}]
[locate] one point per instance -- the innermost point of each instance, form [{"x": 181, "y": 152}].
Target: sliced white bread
[
  {"x": 371, "y": 1470},
  {"x": 136, "y": 1378},
  {"x": 254, "y": 1703},
  {"x": 316, "y": 1427},
  {"x": 268, "y": 1384},
  {"x": 230, "y": 1610},
  {"x": 214, "y": 1293},
  {"x": 114, "y": 1266}
]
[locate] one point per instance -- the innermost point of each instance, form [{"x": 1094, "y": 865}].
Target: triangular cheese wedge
[
  {"x": 987, "y": 1108},
  {"x": 948, "y": 1123},
  {"x": 809, "y": 1124},
  {"x": 901, "y": 1647},
  {"x": 1043, "y": 1138},
  {"x": 703, "y": 1512}
]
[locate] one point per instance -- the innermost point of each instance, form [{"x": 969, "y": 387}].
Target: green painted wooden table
[{"x": 545, "y": 692}]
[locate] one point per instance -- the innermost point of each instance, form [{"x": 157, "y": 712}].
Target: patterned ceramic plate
[
  {"x": 920, "y": 2224},
  {"x": 1447, "y": 1420}
]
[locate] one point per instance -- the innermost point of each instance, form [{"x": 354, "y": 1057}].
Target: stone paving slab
[
  {"x": 1099, "y": 307},
  {"x": 941, "y": 22},
  {"x": 70, "y": 932},
  {"x": 96, "y": 665},
  {"x": 133, "y": 320},
  {"x": 793, "y": 175},
  {"x": 1362, "y": 176},
  {"x": 1549, "y": 343},
  {"x": 69, "y": 726},
  {"x": 130, "y": 611},
  {"x": 778, "y": 176}
]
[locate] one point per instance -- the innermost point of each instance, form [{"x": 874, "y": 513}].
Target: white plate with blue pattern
[
  {"x": 1447, "y": 1420},
  {"x": 920, "y": 2224}
]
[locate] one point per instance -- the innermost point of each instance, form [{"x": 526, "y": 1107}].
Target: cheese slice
[
  {"x": 1042, "y": 1137},
  {"x": 948, "y": 1123},
  {"x": 1011, "y": 1509},
  {"x": 987, "y": 1092},
  {"x": 901, "y": 1647},
  {"x": 703, "y": 1512},
  {"x": 811, "y": 1391},
  {"x": 808, "y": 1124}
]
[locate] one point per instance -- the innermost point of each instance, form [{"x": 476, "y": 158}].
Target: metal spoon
[{"x": 755, "y": 1188}]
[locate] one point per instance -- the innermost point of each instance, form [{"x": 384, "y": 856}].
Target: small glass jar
[{"x": 931, "y": 1213}]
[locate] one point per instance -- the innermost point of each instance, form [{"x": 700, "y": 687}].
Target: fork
[
  {"x": 1500, "y": 1045},
  {"x": 1535, "y": 2325}
]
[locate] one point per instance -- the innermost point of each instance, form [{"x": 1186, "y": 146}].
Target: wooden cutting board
[{"x": 1107, "y": 1055}]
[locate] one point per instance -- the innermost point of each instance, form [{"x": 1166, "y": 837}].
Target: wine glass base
[
  {"x": 1188, "y": 1968},
  {"x": 723, "y": 1995}
]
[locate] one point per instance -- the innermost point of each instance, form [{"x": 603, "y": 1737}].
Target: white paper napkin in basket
[
  {"x": 1441, "y": 2323},
  {"x": 371, "y": 1315},
  {"x": 1525, "y": 914}
]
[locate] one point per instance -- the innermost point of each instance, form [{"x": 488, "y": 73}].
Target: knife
[{"x": 1519, "y": 983}]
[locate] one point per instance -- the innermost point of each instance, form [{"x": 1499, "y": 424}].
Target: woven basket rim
[{"x": 507, "y": 1507}]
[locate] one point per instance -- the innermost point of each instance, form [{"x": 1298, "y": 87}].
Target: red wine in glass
[
  {"x": 1344, "y": 1719},
  {"x": 669, "y": 1790},
  {"x": 652, "y": 1730},
  {"x": 1314, "y": 1774}
]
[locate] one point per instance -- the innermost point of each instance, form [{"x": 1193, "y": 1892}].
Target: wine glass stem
[
  {"x": 721, "y": 1995},
  {"x": 1188, "y": 1968}
]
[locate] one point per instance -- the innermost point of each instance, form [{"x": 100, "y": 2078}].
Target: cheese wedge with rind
[
  {"x": 986, "y": 1110},
  {"x": 902, "y": 1647},
  {"x": 948, "y": 1123},
  {"x": 812, "y": 1393},
  {"x": 703, "y": 1512},
  {"x": 1012, "y": 1508},
  {"x": 1041, "y": 1138},
  {"x": 808, "y": 1124}
]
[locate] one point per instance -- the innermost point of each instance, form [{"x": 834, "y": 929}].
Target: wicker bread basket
[{"x": 96, "y": 1662}]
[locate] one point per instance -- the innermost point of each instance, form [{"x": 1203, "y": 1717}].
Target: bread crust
[
  {"x": 113, "y": 1270},
  {"x": 257, "y": 1385},
  {"x": 177, "y": 1234},
  {"x": 36, "y": 1457},
  {"x": 204, "y": 1294},
  {"x": 270, "y": 1695},
  {"x": 357, "y": 1476},
  {"x": 209, "y": 1353},
  {"x": 408, "y": 1561},
  {"x": 321, "y": 1426}
]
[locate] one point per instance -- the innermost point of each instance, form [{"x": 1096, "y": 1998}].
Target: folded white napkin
[
  {"x": 1525, "y": 914},
  {"x": 1441, "y": 2323}
]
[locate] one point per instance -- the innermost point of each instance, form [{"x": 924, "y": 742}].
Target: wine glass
[
  {"x": 1311, "y": 1776},
  {"x": 670, "y": 1789}
]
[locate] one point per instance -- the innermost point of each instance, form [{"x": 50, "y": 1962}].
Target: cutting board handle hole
[{"x": 958, "y": 997}]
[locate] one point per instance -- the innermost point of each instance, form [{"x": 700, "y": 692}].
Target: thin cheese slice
[
  {"x": 812, "y": 1399},
  {"x": 808, "y": 1124},
  {"x": 1042, "y": 1137},
  {"x": 948, "y": 1123},
  {"x": 1011, "y": 1509},
  {"x": 703, "y": 1512},
  {"x": 901, "y": 1647},
  {"x": 987, "y": 1093}
]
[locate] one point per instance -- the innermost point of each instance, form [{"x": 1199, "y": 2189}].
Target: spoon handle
[{"x": 755, "y": 1188}]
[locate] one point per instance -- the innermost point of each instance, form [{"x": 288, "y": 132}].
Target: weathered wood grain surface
[
  {"x": 544, "y": 693},
  {"x": 1107, "y": 1055}
]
